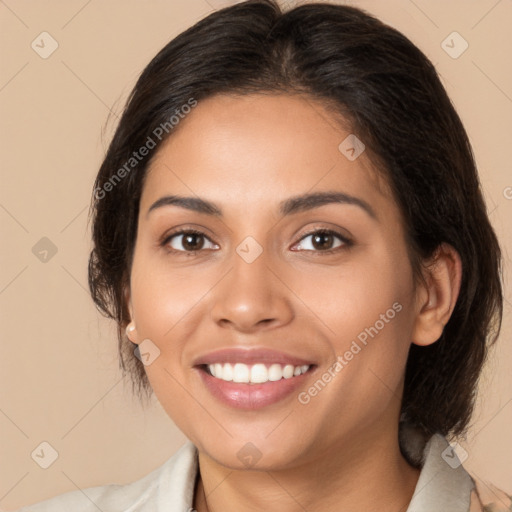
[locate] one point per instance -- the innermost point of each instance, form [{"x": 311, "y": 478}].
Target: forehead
[{"x": 258, "y": 149}]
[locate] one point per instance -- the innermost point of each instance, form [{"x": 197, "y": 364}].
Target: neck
[{"x": 364, "y": 473}]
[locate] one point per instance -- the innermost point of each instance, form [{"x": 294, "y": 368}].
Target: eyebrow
[{"x": 289, "y": 206}]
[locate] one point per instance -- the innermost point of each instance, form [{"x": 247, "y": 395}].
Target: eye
[
  {"x": 322, "y": 240},
  {"x": 190, "y": 240}
]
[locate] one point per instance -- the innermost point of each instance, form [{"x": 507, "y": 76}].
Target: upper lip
[{"x": 250, "y": 356}]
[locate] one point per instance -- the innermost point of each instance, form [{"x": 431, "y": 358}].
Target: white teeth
[
  {"x": 259, "y": 373},
  {"x": 288, "y": 371},
  {"x": 275, "y": 372},
  {"x": 240, "y": 373},
  {"x": 256, "y": 373},
  {"x": 226, "y": 372}
]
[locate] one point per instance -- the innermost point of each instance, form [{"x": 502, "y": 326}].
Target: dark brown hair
[{"x": 390, "y": 93}]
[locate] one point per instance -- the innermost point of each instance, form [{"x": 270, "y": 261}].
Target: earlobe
[
  {"x": 438, "y": 298},
  {"x": 131, "y": 332}
]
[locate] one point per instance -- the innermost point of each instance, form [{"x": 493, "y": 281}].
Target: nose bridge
[
  {"x": 251, "y": 268},
  {"x": 251, "y": 259}
]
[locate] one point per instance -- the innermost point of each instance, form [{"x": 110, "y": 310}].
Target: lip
[
  {"x": 250, "y": 356},
  {"x": 248, "y": 396}
]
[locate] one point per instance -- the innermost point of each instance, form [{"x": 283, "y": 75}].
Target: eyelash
[{"x": 347, "y": 243}]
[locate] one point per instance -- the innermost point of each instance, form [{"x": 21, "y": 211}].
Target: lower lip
[{"x": 251, "y": 396}]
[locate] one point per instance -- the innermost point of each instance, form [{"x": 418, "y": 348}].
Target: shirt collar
[
  {"x": 177, "y": 480},
  {"x": 443, "y": 484}
]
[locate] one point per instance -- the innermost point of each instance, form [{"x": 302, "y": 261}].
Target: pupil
[
  {"x": 320, "y": 236},
  {"x": 188, "y": 245}
]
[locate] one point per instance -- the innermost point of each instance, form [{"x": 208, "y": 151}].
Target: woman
[{"x": 290, "y": 234}]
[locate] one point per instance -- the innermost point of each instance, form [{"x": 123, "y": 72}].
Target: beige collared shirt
[{"x": 443, "y": 486}]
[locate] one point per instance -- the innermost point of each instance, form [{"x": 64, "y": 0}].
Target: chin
[{"x": 258, "y": 455}]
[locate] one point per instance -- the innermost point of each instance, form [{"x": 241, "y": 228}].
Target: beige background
[{"x": 59, "y": 376}]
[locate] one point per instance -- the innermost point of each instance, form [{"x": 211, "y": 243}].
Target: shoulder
[
  {"x": 486, "y": 497},
  {"x": 171, "y": 483}
]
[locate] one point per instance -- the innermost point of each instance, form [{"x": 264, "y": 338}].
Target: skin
[{"x": 246, "y": 154}]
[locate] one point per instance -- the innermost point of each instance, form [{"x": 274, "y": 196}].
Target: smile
[{"x": 253, "y": 386}]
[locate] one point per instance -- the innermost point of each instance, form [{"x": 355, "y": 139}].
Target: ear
[{"x": 436, "y": 300}]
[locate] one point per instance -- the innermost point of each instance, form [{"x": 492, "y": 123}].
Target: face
[{"x": 311, "y": 300}]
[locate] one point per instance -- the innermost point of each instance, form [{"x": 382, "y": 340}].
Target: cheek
[
  {"x": 165, "y": 295},
  {"x": 366, "y": 308},
  {"x": 353, "y": 296}
]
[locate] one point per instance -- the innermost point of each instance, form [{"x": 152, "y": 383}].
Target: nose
[{"x": 252, "y": 296}]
